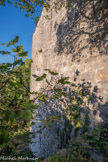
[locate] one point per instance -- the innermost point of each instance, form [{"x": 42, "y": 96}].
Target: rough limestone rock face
[{"x": 69, "y": 41}]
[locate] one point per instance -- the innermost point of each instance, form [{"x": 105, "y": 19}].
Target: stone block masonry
[{"x": 71, "y": 40}]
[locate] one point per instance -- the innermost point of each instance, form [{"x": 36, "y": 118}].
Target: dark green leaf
[
  {"x": 64, "y": 80},
  {"x": 51, "y": 72},
  {"x": 41, "y": 78},
  {"x": 13, "y": 42},
  {"x": 17, "y": 62},
  {"x": 4, "y": 53}
]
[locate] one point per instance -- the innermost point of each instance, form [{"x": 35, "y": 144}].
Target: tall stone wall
[{"x": 70, "y": 40}]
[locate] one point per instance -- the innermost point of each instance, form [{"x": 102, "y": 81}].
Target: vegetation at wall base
[{"x": 80, "y": 149}]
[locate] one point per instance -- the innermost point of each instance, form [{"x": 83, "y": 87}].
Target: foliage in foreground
[{"x": 15, "y": 105}]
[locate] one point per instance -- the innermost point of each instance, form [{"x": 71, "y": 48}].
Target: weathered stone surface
[
  {"x": 73, "y": 40},
  {"x": 102, "y": 74}
]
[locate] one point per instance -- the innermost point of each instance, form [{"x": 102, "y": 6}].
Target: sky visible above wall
[{"x": 13, "y": 23}]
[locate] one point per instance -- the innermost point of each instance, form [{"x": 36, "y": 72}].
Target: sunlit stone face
[{"x": 75, "y": 45}]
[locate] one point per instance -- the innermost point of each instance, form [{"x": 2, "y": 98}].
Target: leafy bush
[{"x": 15, "y": 106}]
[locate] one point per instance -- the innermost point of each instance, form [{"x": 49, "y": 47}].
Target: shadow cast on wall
[
  {"x": 84, "y": 29},
  {"x": 69, "y": 112}
]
